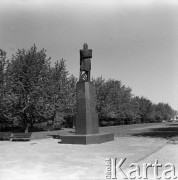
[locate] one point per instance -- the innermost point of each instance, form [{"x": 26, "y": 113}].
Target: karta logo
[{"x": 114, "y": 170}]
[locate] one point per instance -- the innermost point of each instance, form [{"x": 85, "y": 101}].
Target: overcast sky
[{"x": 132, "y": 41}]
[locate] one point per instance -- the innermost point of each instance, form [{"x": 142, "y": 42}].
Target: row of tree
[
  {"x": 33, "y": 92},
  {"x": 117, "y": 105}
]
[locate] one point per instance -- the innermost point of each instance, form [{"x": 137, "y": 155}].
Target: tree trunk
[
  {"x": 26, "y": 124},
  {"x": 31, "y": 125},
  {"x": 26, "y": 128}
]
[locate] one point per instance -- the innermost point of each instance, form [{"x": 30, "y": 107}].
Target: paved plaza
[{"x": 48, "y": 159}]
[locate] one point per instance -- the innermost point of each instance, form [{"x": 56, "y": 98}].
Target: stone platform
[{"x": 87, "y": 139}]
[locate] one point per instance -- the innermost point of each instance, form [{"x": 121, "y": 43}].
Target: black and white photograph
[{"x": 88, "y": 89}]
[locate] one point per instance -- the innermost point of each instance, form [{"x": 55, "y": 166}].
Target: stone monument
[{"x": 86, "y": 128}]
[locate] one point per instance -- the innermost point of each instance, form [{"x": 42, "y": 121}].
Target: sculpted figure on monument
[{"x": 85, "y": 63}]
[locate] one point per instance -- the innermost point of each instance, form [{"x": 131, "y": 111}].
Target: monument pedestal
[
  {"x": 87, "y": 139},
  {"x": 86, "y": 128}
]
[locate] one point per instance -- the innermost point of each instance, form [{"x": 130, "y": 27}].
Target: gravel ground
[{"x": 49, "y": 160}]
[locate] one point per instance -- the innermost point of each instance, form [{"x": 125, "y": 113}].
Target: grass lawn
[{"x": 153, "y": 130}]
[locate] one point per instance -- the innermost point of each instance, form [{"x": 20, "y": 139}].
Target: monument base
[
  {"x": 87, "y": 139},
  {"x": 86, "y": 126}
]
